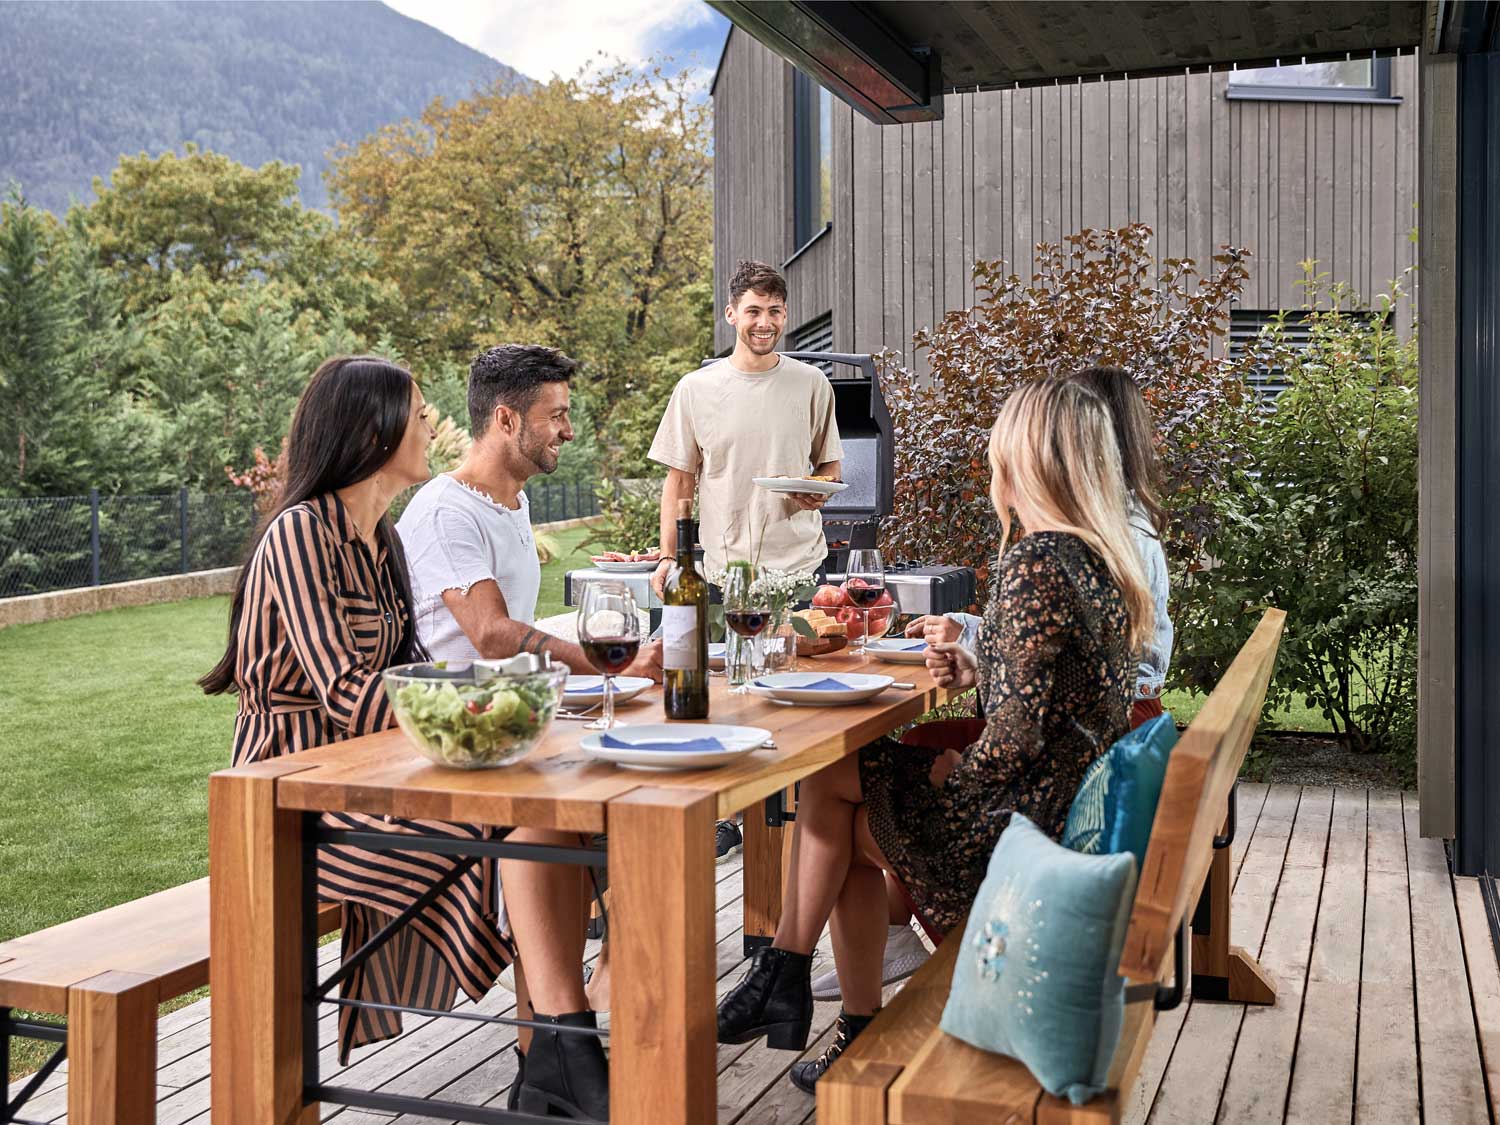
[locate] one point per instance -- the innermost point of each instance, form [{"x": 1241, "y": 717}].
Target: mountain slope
[{"x": 81, "y": 83}]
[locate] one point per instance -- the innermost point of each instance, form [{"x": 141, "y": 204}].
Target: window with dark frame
[
  {"x": 1244, "y": 329},
  {"x": 1348, "y": 80},
  {"x": 812, "y": 156}
]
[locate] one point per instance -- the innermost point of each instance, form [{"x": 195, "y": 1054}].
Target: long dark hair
[
  {"x": 350, "y": 421},
  {"x": 1135, "y": 433}
]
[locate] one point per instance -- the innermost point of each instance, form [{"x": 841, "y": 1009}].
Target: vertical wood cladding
[{"x": 915, "y": 205}]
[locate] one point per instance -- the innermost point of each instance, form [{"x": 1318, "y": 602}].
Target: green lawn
[{"x": 107, "y": 741}]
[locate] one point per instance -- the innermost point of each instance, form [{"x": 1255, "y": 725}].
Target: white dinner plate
[
  {"x": 801, "y": 484},
  {"x": 895, "y": 650},
  {"x": 716, "y": 655},
  {"x": 793, "y": 687},
  {"x": 626, "y": 567},
  {"x": 588, "y": 691},
  {"x": 651, "y": 745}
]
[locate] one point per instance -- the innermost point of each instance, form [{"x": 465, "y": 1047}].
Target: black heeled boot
[
  {"x": 805, "y": 1075},
  {"x": 774, "y": 1000},
  {"x": 565, "y": 1073}
]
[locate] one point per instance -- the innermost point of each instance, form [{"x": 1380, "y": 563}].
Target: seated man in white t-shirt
[{"x": 474, "y": 577}]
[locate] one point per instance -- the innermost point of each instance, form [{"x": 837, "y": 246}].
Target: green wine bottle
[{"x": 684, "y": 629}]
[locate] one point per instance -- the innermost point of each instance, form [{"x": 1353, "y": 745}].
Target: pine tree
[{"x": 36, "y": 382}]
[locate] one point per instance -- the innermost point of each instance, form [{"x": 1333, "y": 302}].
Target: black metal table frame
[
  {"x": 315, "y": 993},
  {"x": 10, "y": 1027}
]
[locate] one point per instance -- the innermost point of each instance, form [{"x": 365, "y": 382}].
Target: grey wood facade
[{"x": 915, "y": 205}]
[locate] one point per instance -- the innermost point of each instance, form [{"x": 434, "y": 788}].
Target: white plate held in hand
[
  {"x": 673, "y": 746},
  {"x": 899, "y": 650},
  {"x": 801, "y": 484},
  {"x": 627, "y": 567},
  {"x": 814, "y": 688}
]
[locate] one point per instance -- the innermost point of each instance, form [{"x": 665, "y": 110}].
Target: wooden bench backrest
[{"x": 1194, "y": 797}]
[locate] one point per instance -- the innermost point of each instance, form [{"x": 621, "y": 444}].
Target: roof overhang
[{"x": 893, "y": 60}]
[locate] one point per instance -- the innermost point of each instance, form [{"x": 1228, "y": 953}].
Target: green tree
[
  {"x": 36, "y": 378},
  {"x": 161, "y": 217},
  {"x": 573, "y": 213}
]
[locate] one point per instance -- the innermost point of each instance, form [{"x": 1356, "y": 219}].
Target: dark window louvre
[
  {"x": 815, "y": 336},
  {"x": 1245, "y": 326}
]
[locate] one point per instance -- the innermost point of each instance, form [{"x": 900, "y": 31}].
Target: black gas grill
[{"x": 852, "y": 517}]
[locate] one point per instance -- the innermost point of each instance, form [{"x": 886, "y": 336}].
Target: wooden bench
[
  {"x": 106, "y": 973},
  {"x": 903, "y": 1070}
]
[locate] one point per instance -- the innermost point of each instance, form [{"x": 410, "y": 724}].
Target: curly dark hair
[
  {"x": 757, "y": 276},
  {"x": 512, "y": 374}
]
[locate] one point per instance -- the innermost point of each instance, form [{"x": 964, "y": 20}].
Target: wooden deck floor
[{"x": 1388, "y": 1009}]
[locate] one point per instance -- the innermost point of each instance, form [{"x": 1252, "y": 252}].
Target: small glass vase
[
  {"x": 739, "y": 661},
  {"x": 778, "y": 645}
]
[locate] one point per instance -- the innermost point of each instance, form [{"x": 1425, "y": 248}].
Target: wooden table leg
[
  {"x": 1222, "y": 971},
  {"x": 764, "y": 863},
  {"x": 663, "y": 1033},
  {"x": 112, "y": 1050},
  {"x": 255, "y": 949}
]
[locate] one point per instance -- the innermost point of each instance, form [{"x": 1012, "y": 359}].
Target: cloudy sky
[{"x": 550, "y": 37}]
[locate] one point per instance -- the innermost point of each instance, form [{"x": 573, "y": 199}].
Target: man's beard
[{"x": 533, "y": 447}]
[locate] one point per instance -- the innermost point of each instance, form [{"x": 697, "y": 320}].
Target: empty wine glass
[
  {"x": 609, "y": 632},
  {"x": 865, "y": 586},
  {"x": 746, "y": 614}
]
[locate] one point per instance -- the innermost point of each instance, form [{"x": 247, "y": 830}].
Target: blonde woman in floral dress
[{"x": 1055, "y": 672}]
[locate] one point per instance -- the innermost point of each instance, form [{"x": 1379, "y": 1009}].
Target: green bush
[{"x": 1325, "y": 528}]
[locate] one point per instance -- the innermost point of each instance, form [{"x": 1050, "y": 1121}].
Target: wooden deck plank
[
  {"x": 1261, "y": 1070},
  {"x": 1194, "y": 1077},
  {"x": 1385, "y": 1081},
  {"x": 1480, "y": 957},
  {"x": 1452, "y": 1075},
  {"x": 1323, "y": 1081}
]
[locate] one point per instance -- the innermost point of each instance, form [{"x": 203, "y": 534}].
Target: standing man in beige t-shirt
[{"x": 754, "y": 414}]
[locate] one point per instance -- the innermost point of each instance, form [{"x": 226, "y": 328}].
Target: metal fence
[{"x": 62, "y": 542}]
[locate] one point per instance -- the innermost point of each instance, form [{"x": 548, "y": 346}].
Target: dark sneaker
[{"x": 727, "y": 839}]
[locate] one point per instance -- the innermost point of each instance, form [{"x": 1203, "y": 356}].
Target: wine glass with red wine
[
  {"x": 609, "y": 632},
  {"x": 747, "y": 615},
  {"x": 865, "y": 587}
]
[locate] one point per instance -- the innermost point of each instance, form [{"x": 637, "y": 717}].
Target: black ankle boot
[
  {"x": 565, "y": 1072},
  {"x": 805, "y": 1075},
  {"x": 774, "y": 1000}
]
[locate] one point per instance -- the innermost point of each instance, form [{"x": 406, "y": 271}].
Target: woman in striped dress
[{"x": 320, "y": 610}]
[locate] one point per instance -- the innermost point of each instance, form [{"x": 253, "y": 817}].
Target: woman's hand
[
  {"x": 952, "y": 665},
  {"x": 935, "y": 629},
  {"x": 942, "y": 766}
]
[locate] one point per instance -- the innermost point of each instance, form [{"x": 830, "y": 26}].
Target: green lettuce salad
[{"x": 468, "y": 725}]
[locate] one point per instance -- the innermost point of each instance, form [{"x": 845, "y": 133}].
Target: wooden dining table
[{"x": 660, "y": 828}]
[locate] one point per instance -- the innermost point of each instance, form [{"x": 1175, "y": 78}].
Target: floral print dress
[{"x": 1056, "y": 676}]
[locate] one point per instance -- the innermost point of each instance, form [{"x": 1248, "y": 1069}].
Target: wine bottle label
[{"x": 679, "y": 637}]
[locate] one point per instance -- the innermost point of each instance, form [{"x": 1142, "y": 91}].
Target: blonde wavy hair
[{"x": 1054, "y": 459}]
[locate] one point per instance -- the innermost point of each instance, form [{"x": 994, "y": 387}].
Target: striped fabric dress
[{"x": 322, "y": 617}]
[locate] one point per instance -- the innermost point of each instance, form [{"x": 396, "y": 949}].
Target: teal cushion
[
  {"x": 1115, "y": 805},
  {"x": 1036, "y": 977}
]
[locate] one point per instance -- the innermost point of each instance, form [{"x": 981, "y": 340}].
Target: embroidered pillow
[{"x": 1036, "y": 977}]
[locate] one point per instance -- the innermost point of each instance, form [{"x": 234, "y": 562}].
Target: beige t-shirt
[{"x": 727, "y": 427}]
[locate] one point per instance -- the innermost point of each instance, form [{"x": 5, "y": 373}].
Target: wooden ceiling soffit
[{"x": 850, "y": 52}]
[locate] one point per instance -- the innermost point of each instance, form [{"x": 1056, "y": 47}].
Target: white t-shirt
[
  {"x": 727, "y": 427},
  {"x": 455, "y": 537}
]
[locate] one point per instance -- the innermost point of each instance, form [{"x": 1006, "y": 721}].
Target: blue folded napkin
[
  {"x": 685, "y": 745},
  {"x": 908, "y": 645},
  {"x": 584, "y": 685},
  {"x": 828, "y": 684}
]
